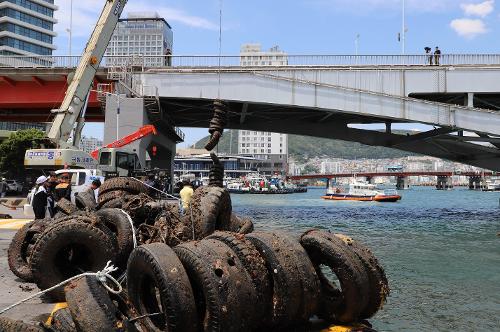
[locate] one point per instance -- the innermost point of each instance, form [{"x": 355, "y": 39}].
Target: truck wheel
[
  {"x": 129, "y": 185},
  {"x": 91, "y": 306},
  {"x": 344, "y": 304},
  {"x": 224, "y": 294},
  {"x": 157, "y": 282},
  {"x": 67, "y": 249},
  {"x": 17, "y": 254}
]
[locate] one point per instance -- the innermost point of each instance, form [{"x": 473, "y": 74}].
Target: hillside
[{"x": 304, "y": 147}]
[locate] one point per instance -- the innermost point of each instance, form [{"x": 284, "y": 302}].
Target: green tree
[{"x": 12, "y": 151}]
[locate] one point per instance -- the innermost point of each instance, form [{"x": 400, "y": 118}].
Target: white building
[
  {"x": 272, "y": 148},
  {"x": 252, "y": 55},
  {"x": 330, "y": 167},
  {"x": 89, "y": 144},
  {"x": 146, "y": 37},
  {"x": 27, "y": 27}
]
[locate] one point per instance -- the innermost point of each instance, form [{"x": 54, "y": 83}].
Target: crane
[{"x": 137, "y": 135}]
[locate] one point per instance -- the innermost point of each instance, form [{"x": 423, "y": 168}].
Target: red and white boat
[{"x": 362, "y": 191}]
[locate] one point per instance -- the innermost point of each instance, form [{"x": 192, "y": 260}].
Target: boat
[
  {"x": 362, "y": 191},
  {"x": 493, "y": 184}
]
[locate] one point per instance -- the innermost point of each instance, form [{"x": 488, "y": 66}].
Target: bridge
[
  {"x": 443, "y": 178},
  {"x": 332, "y": 97}
]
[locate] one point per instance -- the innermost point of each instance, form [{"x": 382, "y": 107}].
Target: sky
[{"x": 302, "y": 27}]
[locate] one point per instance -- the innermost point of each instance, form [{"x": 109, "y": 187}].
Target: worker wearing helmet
[
  {"x": 186, "y": 194},
  {"x": 63, "y": 189}
]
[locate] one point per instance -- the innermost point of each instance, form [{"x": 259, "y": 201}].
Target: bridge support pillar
[
  {"x": 402, "y": 183},
  {"x": 469, "y": 100},
  {"x": 476, "y": 183},
  {"x": 444, "y": 183},
  {"x": 158, "y": 150}
]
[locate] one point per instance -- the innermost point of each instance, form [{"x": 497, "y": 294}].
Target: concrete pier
[
  {"x": 477, "y": 183},
  {"x": 402, "y": 183},
  {"x": 444, "y": 183}
]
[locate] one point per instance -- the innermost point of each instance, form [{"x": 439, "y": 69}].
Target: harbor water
[{"x": 440, "y": 250}]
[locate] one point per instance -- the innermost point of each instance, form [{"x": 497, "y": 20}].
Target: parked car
[{"x": 14, "y": 186}]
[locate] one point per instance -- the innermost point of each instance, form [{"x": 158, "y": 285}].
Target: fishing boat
[{"x": 362, "y": 191}]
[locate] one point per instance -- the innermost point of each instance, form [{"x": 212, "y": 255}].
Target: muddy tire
[
  {"x": 62, "y": 321},
  {"x": 225, "y": 296},
  {"x": 111, "y": 195},
  {"x": 117, "y": 221},
  {"x": 379, "y": 285},
  {"x": 90, "y": 306},
  {"x": 85, "y": 200},
  {"x": 347, "y": 303},
  {"x": 10, "y": 325},
  {"x": 238, "y": 225},
  {"x": 116, "y": 203},
  {"x": 255, "y": 266},
  {"x": 210, "y": 209},
  {"x": 66, "y": 206},
  {"x": 67, "y": 249},
  {"x": 129, "y": 185},
  {"x": 155, "y": 269},
  {"x": 16, "y": 254},
  {"x": 296, "y": 286}
]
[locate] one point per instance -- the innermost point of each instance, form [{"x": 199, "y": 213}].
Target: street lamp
[
  {"x": 356, "y": 44},
  {"x": 70, "y": 29}
]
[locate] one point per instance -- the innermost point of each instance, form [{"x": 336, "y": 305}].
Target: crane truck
[{"x": 69, "y": 119}]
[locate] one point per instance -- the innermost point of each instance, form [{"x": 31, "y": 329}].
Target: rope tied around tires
[
  {"x": 102, "y": 276},
  {"x": 134, "y": 237}
]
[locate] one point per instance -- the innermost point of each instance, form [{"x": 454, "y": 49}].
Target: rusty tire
[
  {"x": 255, "y": 266},
  {"x": 66, "y": 250},
  {"x": 90, "y": 305},
  {"x": 66, "y": 206},
  {"x": 225, "y": 297},
  {"x": 11, "y": 325},
  {"x": 238, "y": 225},
  {"x": 85, "y": 200},
  {"x": 16, "y": 254},
  {"x": 379, "y": 285},
  {"x": 62, "y": 321},
  {"x": 347, "y": 303},
  {"x": 111, "y": 195},
  {"x": 210, "y": 208},
  {"x": 129, "y": 185},
  {"x": 155, "y": 269},
  {"x": 296, "y": 286},
  {"x": 117, "y": 221}
]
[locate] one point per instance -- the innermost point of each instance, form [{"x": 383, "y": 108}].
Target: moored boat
[{"x": 362, "y": 191}]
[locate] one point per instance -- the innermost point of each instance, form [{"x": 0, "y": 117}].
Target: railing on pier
[{"x": 209, "y": 61}]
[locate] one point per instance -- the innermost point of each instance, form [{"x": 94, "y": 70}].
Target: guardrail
[{"x": 203, "y": 61}]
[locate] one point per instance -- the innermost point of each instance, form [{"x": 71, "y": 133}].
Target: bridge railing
[{"x": 204, "y": 61}]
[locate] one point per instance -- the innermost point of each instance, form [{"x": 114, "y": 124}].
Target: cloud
[
  {"x": 86, "y": 13},
  {"x": 482, "y": 9},
  {"x": 468, "y": 28},
  {"x": 425, "y": 6}
]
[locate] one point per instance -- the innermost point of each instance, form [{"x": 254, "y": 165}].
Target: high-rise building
[
  {"x": 271, "y": 148},
  {"x": 27, "y": 27},
  {"x": 143, "y": 38},
  {"x": 89, "y": 144},
  {"x": 253, "y": 55}
]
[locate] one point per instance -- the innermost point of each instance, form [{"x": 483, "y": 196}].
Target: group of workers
[{"x": 50, "y": 190}]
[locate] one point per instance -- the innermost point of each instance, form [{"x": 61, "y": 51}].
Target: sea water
[{"x": 440, "y": 250}]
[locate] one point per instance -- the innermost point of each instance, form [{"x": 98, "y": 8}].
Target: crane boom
[
  {"x": 74, "y": 100},
  {"x": 137, "y": 135}
]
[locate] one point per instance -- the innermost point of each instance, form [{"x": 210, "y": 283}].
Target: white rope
[
  {"x": 134, "y": 238},
  {"x": 158, "y": 190},
  {"x": 102, "y": 276}
]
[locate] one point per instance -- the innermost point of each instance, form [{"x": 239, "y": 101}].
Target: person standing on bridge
[
  {"x": 429, "y": 54},
  {"x": 437, "y": 56}
]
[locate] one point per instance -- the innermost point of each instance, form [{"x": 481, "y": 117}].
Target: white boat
[
  {"x": 493, "y": 184},
  {"x": 362, "y": 191}
]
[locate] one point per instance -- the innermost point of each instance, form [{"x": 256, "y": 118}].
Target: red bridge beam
[{"x": 396, "y": 174}]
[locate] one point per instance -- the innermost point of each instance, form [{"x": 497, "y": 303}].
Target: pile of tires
[{"x": 233, "y": 282}]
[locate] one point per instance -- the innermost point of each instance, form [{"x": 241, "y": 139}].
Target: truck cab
[{"x": 118, "y": 162}]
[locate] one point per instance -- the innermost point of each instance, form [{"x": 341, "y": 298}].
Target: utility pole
[
  {"x": 403, "y": 30},
  {"x": 70, "y": 27},
  {"x": 356, "y": 44}
]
